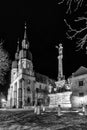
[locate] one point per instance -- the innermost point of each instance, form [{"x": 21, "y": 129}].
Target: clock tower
[{"x": 25, "y": 57}]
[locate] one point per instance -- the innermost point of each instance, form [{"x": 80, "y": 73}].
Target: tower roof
[
  {"x": 25, "y": 33},
  {"x": 25, "y": 43},
  {"x": 17, "y": 52},
  {"x": 24, "y": 52}
]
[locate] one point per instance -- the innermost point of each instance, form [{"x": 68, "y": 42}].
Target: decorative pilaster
[
  {"x": 19, "y": 92},
  {"x": 23, "y": 93},
  {"x": 15, "y": 95},
  {"x": 11, "y": 98}
]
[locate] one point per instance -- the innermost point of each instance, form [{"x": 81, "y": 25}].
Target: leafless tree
[
  {"x": 80, "y": 34},
  {"x": 4, "y": 63},
  {"x": 69, "y": 4}
]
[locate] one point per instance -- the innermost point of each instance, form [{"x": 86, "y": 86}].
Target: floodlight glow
[{"x": 3, "y": 100}]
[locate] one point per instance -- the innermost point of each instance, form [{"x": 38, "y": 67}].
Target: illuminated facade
[
  {"x": 26, "y": 86},
  {"x": 78, "y": 85}
]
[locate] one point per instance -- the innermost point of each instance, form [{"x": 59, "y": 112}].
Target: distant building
[
  {"x": 26, "y": 87},
  {"x": 78, "y": 82},
  {"x": 3, "y": 102}
]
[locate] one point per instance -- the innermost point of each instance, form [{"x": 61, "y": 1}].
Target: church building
[{"x": 26, "y": 86}]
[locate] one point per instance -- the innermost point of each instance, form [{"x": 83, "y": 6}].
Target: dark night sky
[{"x": 45, "y": 29}]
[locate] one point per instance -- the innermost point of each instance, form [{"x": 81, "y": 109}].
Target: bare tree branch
[
  {"x": 69, "y": 4},
  {"x": 81, "y": 41},
  {"x": 78, "y": 33},
  {"x": 79, "y": 4},
  {"x": 80, "y": 19},
  {"x": 61, "y": 2}
]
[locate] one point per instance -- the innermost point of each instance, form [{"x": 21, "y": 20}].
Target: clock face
[{"x": 14, "y": 73}]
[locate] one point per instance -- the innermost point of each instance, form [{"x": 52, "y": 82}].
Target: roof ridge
[{"x": 82, "y": 70}]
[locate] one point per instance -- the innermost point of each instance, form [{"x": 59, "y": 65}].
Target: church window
[
  {"x": 24, "y": 64},
  {"x": 37, "y": 90},
  {"x": 28, "y": 65},
  {"x": 81, "y": 94},
  {"x": 40, "y": 86},
  {"x": 30, "y": 72},
  {"x": 14, "y": 73},
  {"x": 20, "y": 92},
  {"x": 28, "y": 100},
  {"x": 20, "y": 65},
  {"x": 28, "y": 89},
  {"x": 20, "y": 83},
  {"x": 80, "y": 83},
  {"x": 28, "y": 81}
]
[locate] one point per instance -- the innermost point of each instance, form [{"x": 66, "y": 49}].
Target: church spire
[
  {"x": 25, "y": 33},
  {"x": 17, "y": 52},
  {"x": 18, "y": 46},
  {"x": 25, "y": 43}
]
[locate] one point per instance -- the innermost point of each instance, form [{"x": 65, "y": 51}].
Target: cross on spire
[
  {"x": 25, "y": 33},
  {"x": 18, "y": 45}
]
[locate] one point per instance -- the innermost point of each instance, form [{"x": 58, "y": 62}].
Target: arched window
[
  {"x": 28, "y": 89},
  {"x": 37, "y": 90},
  {"x": 28, "y": 100},
  {"x": 20, "y": 92},
  {"x": 40, "y": 86}
]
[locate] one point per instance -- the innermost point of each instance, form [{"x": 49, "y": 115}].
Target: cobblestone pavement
[{"x": 27, "y": 120}]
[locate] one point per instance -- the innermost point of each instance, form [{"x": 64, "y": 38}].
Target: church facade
[{"x": 26, "y": 87}]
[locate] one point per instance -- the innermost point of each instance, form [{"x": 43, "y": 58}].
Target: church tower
[
  {"x": 25, "y": 56},
  {"x": 25, "y": 74},
  {"x": 22, "y": 76}
]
